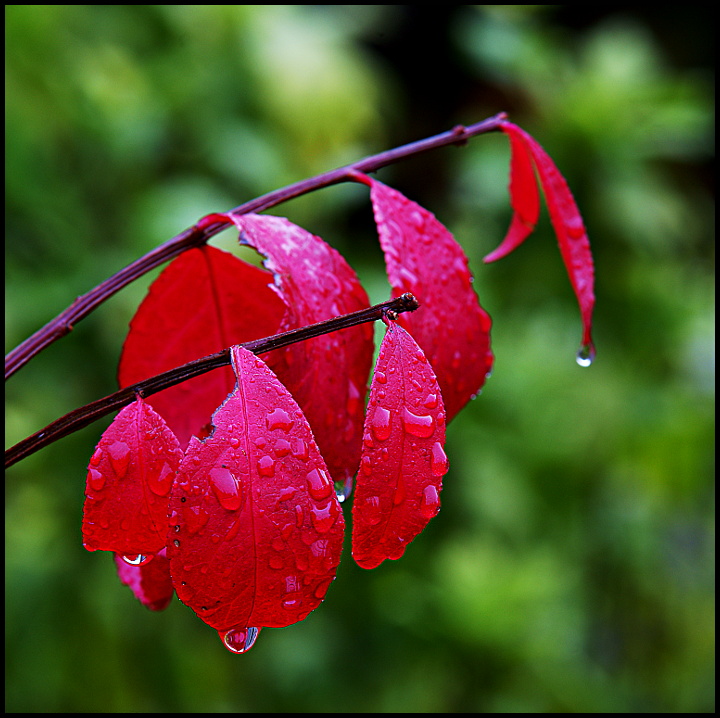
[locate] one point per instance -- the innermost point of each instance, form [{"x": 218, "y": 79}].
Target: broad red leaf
[
  {"x": 403, "y": 460},
  {"x": 150, "y": 582},
  {"x": 451, "y": 327},
  {"x": 205, "y": 300},
  {"x": 128, "y": 485},
  {"x": 327, "y": 375},
  {"x": 565, "y": 217},
  {"x": 257, "y": 529}
]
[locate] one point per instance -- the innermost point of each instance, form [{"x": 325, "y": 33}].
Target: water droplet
[
  {"x": 421, "y": 426},
  {"x": 372, "y": 510},
  {"x": 239, "y": 640},
  {"x": 323, "y": 517},
  {"x": 438, "y": 460},
  {"x": 276, "y": 562},
  {"x": 380, "y": 377},
  {"x": 319, "y": 484},
  {"x": 343, "y": 489},
  {"x": 299, "y": 449},
  {"x": 266, "y": 466},
  {"x": 431, "y": 401},
  {"x": 95, "y": 458},
  {"x": 138, "y": 559},
  {"x": 96, "y": 479},
  {"x": 226, "y": 488},
  {"x": 282, "y": 447},
  {"x": 430, "y": 502},
  {"x": 586, "y": 354},
  {"x": 195, "y": 518},
  {"x": 366, "y": 465},
  {"x": 292, "y": 603},
  {"x": 380, "y": 423},
  {"x": 161, "y": 482},
  {"x": 279, "y": 419},
  {"x": 119, "y": 453}
]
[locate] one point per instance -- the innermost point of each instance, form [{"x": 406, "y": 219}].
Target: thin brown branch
[
  {"x": 198, "y": 234},
  {"x": 85, "y": 415}
]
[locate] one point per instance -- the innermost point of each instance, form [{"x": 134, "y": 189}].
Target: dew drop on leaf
[
  {"x": 161, "y": 482},
  {"x": 380, "y": 423},
  {"x": 96, "y": 478},
  {"x": 279, "y": 419},
  {"x": 119, "y": 457},
  {"x": 239, "y": 640},
  {"x": 319, "y": 484},
  {"x": 226, "y": 488},
  {"x": 266, "y": 466},
  {"x": 421, "y": 426},
  {"x": 430, "y": 502},
  {"x": 438, "y": 460}
]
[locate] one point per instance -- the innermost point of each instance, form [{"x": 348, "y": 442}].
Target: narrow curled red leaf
[
  {"x": 150, "y": 582},
  {"x": 128, "y": 485},
  {"x": 566, "y": 220},
  {"x": 524, "y": 197},
  {"x": 451, "y": 327},
  {"x": 403, "y": 460},
  {"x": 256, "y": 528},
  {"x": 327, "y": 375},
  {"x": 205, "y": 300}
]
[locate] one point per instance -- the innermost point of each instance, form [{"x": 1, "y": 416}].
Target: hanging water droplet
[
  {"x": 343, "y": 489},
  {"x": 586, "y": 354},
  {"x": 380, "y": 423},
  {"x": 420, "y": 426},
  {"x": 226, "y": 487},
  {"x": 138, "y": 559},
  {"x": 239, "y": 640}
]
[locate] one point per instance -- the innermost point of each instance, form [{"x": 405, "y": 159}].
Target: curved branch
[
  {"x": 209, "y": 226},
  {"x": 85, "y": 415}
]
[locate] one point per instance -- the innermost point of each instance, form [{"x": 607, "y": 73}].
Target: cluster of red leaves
[{"x": 227, "y": 489}]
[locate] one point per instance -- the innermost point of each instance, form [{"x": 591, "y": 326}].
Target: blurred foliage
[{"x": 572, "y": 566}]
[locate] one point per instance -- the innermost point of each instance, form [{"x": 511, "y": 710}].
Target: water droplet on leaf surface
[
  {"x": 380, "y": 423},
  {"x": 226, "y": 488},
  {"x": 420, "y": 426}
]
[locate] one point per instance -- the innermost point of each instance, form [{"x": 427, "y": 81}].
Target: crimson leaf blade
[
  {"x": 422, "y": 257},
  {"x": 403, "y": 460},
  {"x": 256, "y": 527}
]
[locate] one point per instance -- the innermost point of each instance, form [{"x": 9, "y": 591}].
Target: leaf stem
[
  {"x": 209, "y": 226},
  {"x": 85, "y": 415}
]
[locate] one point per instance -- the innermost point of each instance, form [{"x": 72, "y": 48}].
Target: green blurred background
[{"x": 571, "y": 568}]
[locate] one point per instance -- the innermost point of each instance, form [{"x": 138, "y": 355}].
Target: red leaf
[
  {"x": 451, "y": 327},
  {"x": 128, "y": 485},
  {"x": 403, "y": 460},
  {"x": 205, "y": 300},
  {"x": 257, "y": 529},
  {"x": 327, "y": 375},
  {"x": 150, "y": 582},
  {"x": 566, "y": 220},
  {"x": 524, "y": 197}
]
